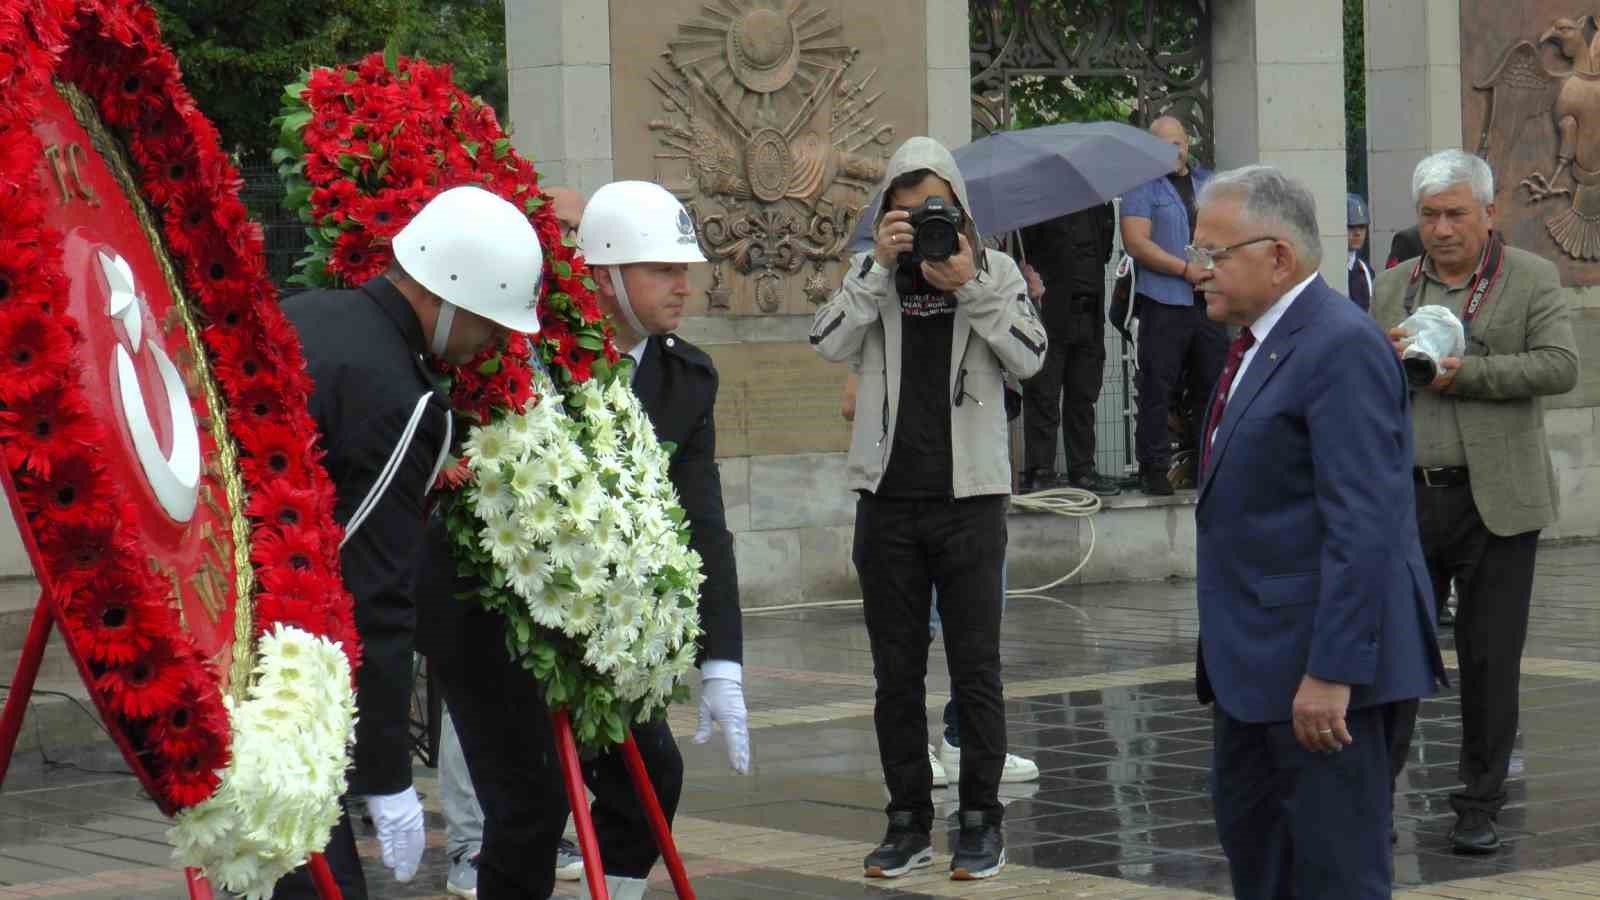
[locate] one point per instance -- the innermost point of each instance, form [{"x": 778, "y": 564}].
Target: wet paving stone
[{"x": 1102, "y": 700}]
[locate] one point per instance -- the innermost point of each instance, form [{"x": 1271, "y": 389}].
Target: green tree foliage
[
  {"x": 1355, "y": 96},
  {"x": 237, "y": 56}
]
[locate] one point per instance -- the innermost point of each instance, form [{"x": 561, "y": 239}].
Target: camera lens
[
  {"x": 1420, "y": 370},
  {"x": 936, "y": 239}
]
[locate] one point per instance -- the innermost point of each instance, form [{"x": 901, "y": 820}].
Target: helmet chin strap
[
  {"x": 441, "y": 327},
  {"x": 625, "y": 305}
]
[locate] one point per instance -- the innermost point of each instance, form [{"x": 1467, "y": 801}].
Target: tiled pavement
[{"x": 1098, "y": 681}]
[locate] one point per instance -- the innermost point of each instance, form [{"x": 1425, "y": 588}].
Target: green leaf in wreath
[
  {"x": 490, "y": 366},
  {"x": 590, "y": 342},
  {"x": 391, "y": 53},
  {"x": 562, "y": 268}
]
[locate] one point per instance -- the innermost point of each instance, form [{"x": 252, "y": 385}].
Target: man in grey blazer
[{"x": 1485, "y": 484}]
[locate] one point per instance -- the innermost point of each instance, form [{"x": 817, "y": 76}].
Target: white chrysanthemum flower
[
  {"x": 488, "y": 447},
  {"x": 585, "y": 499},
  {"x": 502, "y": 539},
  {"x": 541, "y": 518},
  {"x": 278, "y": 798},
  {"x": 490, "y": 495},
  {"x": 566, "y": 547},
  {"x": 528, "y": 479},
  {"x": 550, "y": 608},
  {"x": 589, "y": 570},
  {"x": 583, "y": 616},
  {"x": 530, "y": 573}
]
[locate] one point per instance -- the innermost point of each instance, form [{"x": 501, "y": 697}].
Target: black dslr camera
[{"x": 936, "y": 236}]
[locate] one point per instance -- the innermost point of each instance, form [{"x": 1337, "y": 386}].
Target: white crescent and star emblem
[{"x": 175, "y": 478}]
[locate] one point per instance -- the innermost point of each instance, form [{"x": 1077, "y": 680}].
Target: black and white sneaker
[
  {"x": 906, "y": 846},
  {"x": 980, "y": 849}
]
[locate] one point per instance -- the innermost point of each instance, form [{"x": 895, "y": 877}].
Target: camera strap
[{"x": 1482, "y": 280}]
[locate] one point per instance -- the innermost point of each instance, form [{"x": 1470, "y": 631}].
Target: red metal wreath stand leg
[
  {"x": 11, "y": 726},
  {"x": 589, "y": 845}
]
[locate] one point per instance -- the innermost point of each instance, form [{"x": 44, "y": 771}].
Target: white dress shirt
[{"x": 1263, "y": 326}]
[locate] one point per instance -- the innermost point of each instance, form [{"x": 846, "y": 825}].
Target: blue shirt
[{"x": 1158, "y": 201}]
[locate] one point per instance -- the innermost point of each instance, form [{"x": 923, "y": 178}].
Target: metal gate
[{"x": 1155, "y": 58}]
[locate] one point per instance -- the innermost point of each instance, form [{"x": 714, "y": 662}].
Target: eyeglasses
[{"x": 1206, "y": 260}]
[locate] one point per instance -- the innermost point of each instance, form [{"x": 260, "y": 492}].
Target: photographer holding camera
[
  {"x": 928, "y": 319},
  {"x": 1484, "y": 482}
]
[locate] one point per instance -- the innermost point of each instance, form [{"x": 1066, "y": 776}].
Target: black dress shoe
[
  {"x": 980, "y": 850},
  {"x": 1156, "y": 483},
  {"x": 906, "y": 846},
  {"x": 1475, "y": 833},
  {"x": 1095, "y": 483}
]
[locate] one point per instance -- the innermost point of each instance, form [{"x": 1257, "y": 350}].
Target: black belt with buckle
[{"x": 1441, "y": 476}]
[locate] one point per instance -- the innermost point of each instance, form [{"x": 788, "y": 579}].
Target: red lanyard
[{"x": 1483, "y": 280}]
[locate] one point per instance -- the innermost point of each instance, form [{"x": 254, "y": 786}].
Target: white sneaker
[
  {"x": 940, "y": 779},
  {"x": 1017, "y": 768}
]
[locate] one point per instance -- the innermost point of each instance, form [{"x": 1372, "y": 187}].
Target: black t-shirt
[
  {"x": 919, "y": 462},
  {"x": 1185, "y": 185}
]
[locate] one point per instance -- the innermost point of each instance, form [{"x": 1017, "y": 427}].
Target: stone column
[
  {"x": 1413, "y": 102},
  {"x": 949, "y": 73},
  {"x": 559, "y": 56},
  {"x": 1277, "y": 88}
]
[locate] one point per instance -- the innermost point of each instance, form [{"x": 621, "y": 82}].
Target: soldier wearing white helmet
[
  {"x": 639, "y": 242},
  {"x": 467, "y": 268}
]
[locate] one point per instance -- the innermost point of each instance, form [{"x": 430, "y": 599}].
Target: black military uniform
[
  {"x": 498, "y": 708},
  {"x": 364, "y": 349},
  {"x": 1070, "y": 254}
]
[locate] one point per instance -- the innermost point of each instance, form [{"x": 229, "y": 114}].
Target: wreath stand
[
  {"x": 572, "y": 775},
  {"x": 44, "y": 618}
]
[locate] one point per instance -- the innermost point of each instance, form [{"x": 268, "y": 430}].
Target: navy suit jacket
[{"x": 1309, "y": 557}]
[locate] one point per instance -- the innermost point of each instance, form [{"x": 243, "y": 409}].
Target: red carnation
[
  {"x": 192, "y": 726},
  {"x": 332, "y": 204},
  {"x": 66, "y": 495},
  {"x": 114, "y": 628},
  {"x": 356, "y": 259},
  {"x": 34, "y": 351},
  {"x": 145, "y": 687},
  {"x": 297, "y": 549},
  {"x": 280, "y": 504},
  {"x": 38, "y": 428},
  {"x": 192, "y": 778},
  {"x": 272, "y": 451}
]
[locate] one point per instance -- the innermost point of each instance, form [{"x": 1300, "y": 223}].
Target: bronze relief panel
[{"x": 1531, "y": 107}]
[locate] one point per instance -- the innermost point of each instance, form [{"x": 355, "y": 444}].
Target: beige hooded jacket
[{"x": 996, "y": 329}]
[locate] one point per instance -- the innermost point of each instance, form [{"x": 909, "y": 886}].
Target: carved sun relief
[{"x": 771, "y": 147}]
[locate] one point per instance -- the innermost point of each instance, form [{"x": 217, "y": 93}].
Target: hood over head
[{"x": 926, "y": 153}]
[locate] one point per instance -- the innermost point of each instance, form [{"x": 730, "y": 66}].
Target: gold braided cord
[{"x": 226, "y": 469}]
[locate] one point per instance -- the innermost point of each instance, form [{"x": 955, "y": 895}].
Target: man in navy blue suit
[{"x": 1316, "y": 614}]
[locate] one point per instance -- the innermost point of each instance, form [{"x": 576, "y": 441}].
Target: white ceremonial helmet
[
  {"x": 636, "y": 222},
  {"x": 474, "y": 250}
]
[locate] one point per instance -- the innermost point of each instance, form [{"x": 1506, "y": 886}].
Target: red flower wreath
[
  {"x": 364, "y": 146},
  {"x": 147, "y": 675}
]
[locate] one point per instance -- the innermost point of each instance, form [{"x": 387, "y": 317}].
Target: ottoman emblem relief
[
  {"x": 769, "y": 138},
  {"x": 1544, "y": 110}
]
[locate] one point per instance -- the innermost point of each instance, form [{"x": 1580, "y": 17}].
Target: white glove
[
  {"x": 401, "y": 835},
  {"x": 722, "y": 702}
]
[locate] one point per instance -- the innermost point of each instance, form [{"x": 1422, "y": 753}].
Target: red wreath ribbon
[{"x": 146, "y": 674}]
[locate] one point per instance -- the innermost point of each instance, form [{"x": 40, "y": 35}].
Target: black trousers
[
  {"x": 506, "y": 737},
  {"x": 1064, "y": 390},
  {"x": 903, "y": 549},
  {"x": 1494, "y": 585},
  {"x": 1301, "y": 824},
  {"x": 1177, "y": 345}
]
